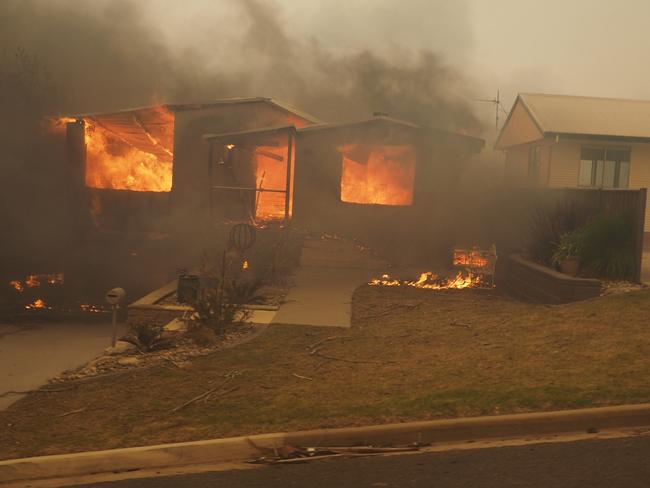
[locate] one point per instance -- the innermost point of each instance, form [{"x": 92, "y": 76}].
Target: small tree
[{"x": 220, "y": 301}]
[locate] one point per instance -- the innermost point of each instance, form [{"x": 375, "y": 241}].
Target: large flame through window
[
  {"x": 130, "y": 150},
  {"x": 380, "y": 175},
  {"x": 113, "y": 163}
]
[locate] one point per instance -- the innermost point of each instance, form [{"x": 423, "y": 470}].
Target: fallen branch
[
  {"x": 213, "y": 396},
  {"x": 72, "y": 412},
  {"x": 27, "y": 392},
  {"x": 289, "y": 455},
  {"x": 302, "y": 377},
  {"x": 327, "y": 339},
  {"x": 201, "y": 396},
  {"x": 353, "y": 361},
  {"x": 458, "y": 324}
]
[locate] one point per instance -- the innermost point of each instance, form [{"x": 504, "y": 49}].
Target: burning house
[
  {"x": 377, "y": 177},
  {"x": 146, "y": 185}
]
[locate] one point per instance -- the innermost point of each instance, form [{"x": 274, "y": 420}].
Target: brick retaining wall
[{"x": 530, "y": 281}]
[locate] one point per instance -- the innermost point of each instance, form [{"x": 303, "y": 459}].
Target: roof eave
[{"x": 598, "y": 137}]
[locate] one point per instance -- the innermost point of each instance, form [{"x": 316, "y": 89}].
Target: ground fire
[
  {"x": 476, "y": 270},
  {"x": 432, "y": 281},
  {"x": 381, "y": 175},
  {"x": 36, "y": 305},
  {"x": 34, "y": 280}
]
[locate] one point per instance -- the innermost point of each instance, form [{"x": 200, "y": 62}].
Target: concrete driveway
[{"x": 31, "y": 354}]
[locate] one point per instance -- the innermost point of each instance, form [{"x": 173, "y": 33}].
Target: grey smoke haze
[{"x": 111, "y": 54}]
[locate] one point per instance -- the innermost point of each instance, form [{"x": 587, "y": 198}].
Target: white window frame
[{"x": 598, "y": 166}]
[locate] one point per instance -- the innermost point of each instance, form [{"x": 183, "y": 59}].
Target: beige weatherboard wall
[{"x": 544, "y": 135}]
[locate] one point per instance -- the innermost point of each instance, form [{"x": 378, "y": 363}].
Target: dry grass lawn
[{"x": 411, "y": 355}]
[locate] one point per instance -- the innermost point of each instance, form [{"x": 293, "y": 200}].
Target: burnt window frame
[{"x": 598, "y": 166}]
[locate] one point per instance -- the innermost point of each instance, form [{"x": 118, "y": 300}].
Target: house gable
[{"x": 520, "y": 128}]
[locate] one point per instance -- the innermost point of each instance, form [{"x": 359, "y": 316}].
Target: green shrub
[
  {"x": 547, "y": 226},
  {"x": 571, "y": 245},
  {"x": 609, "y": 247}
]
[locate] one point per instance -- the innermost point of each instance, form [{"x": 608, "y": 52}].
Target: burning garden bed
[
  {"x": 475, "y": 268},
  {"x": 43, "y": 295}
]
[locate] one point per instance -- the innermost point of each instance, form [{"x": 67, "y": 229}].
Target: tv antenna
[{"x": 498, "y": 108}]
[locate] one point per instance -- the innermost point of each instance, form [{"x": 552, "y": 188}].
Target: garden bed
[{"x": 161, "y": 306}]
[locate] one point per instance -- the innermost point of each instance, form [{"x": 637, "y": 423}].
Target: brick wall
[
  {"x": 151, "y": 315},
  {"x": 530, "y": 281}
]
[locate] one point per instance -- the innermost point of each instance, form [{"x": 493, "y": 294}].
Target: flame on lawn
[
  {"x": 380, "y": 175},
  {"x": 36, "y": 305},
  {"x": 431, "y": 281},
  {"x": 34, "y": 280},
  {"x": 17, "y": 285},
  {"x": 88, "y": 307}
]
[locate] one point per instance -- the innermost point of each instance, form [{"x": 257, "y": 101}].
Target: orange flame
[
  {"x": 431, "y": 281},
  {"x": 17, "y": 285},
  {"x": 32, "y": 281},
  {"x": 113, "y": 163},
  {"x": 37, "y": 304},
  {"x": 87, "y": 307},
  {"x": 270, "y": 174},
  {"x": 470, "y": 258},
  {"x": 380, "y": 175}
]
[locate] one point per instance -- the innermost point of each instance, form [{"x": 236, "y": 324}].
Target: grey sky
[{"x": 591, "y": 47}]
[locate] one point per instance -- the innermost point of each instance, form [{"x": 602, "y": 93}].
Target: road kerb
[{"x": 246, "y": 447}]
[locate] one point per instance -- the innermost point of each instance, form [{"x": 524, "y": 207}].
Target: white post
[{"x": 114, "y": 325}]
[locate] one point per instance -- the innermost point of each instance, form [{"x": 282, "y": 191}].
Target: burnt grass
[{"x": 411, "y": 355}]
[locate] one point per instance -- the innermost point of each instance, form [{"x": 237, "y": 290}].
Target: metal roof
[
  {"x": 391, "y": 120},
  {"x": 342, "y": 125},
  {"x": 589, "y": 116},
  {"x": 227, "y": 136},
  {"x": 177, "y": 107}
]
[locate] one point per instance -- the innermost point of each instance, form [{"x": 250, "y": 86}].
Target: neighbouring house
[{"x": 560, "y": 141}]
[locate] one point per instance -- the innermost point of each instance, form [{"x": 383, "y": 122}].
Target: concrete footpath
[
  {"x": 330, "y": 271},
  {"x": 466, "y": 430},
  {"x": 31, "y": 354}
]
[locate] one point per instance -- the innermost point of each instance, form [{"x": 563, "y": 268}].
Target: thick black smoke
[{"x": 106, "y": 54}]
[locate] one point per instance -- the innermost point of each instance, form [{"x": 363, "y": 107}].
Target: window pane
[
  {"x": 586, "y": 168},
  {"x": 609, "y": 174},
  {"x": 598, "y": 174},
  {"x": 618, "y": 154},
  {"x": 624, "y": 174},
  {"x": 593, "y": 153}
]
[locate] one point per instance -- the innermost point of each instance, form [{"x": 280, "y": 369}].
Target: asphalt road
[{"x": 610, "y": 463}]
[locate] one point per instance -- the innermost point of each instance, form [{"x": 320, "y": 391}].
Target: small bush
[
  {"x": 571, "y": 245},
  {"x": 220, "y": 303},
  {"x": 546, "y": 230},
  {"x": 609, "y": 247},
  {"x": 147, "y": 338}
]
